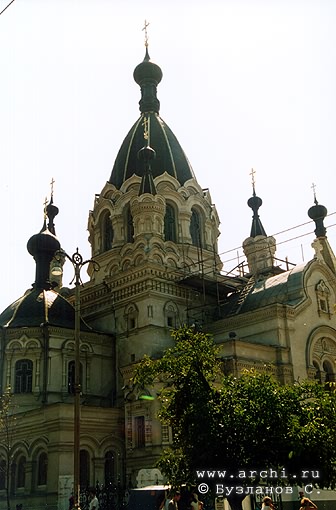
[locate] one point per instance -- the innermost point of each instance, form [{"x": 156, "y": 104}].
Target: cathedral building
[{"x": 154, "y": 234}]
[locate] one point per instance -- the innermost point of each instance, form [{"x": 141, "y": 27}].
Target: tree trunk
[{"x": 8, "y": 473}]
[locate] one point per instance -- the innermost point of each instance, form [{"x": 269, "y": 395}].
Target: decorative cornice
[
  {"x": 116, "y": 290},
  {"x": 253, "y": 317}
]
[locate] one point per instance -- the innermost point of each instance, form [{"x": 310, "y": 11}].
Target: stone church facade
[{"x": 154, "y": 233}]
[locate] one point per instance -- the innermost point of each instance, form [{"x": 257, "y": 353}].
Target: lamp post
[{"x": 77, "y": 262}]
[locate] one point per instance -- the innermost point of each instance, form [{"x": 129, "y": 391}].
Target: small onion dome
[
  {"x": 42, "y": 247},
  {"x": 147, "y": 71},
  {"x": 148, "y": 75},
  {"x": 254, "y": 202},
  {"x": 257, "y": 228},
  {"x": 317, "y": 213},
  {"x": 51, "y": 211}
]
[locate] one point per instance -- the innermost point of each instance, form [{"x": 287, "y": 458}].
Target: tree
[
  {"x": 251, "y": 426},
  {"x": 7, "y": 430}
]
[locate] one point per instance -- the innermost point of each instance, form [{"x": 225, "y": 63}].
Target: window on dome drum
[
  {"x": 71, "y": 376},
  {"x": 21, "y": 472},
  {"x": 129, "y": 226},
  {"x": 139, "y": 436},
  {"x": 170, "y": 224},
  {"x": 84, "y": 469},
  {"x": 42, "y": 469},
  {"x": 23, "y": 376},
  {"x": 109, "y": 467},
  {"x": 107, "y": 233},
  {"x": 196, "y": 228}
]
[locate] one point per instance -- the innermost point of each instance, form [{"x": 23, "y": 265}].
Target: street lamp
[{"x": 77, "y": 262}]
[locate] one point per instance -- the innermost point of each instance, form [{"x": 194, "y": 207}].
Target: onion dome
[
  {"x": 152, "y": 131},
  {"x": 51, "y": 211},
  {"x": 42, "y": 247},
  {"x": 148, "y": 75},
  {"x": 317, "y": 213},
  {"x": 41, "y": 304},
  {"x": 257, "y": 228}
]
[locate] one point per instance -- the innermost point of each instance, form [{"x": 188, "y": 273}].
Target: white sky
[{"x": 245, "y": 84}]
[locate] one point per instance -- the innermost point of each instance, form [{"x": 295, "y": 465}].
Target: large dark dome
[
  {"x": 39, "y": 306},
  {"x": 170, "y": 156},
  {"x": 150, "y": 130}
]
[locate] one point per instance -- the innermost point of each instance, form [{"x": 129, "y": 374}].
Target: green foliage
[
  {"x": 245, "y": 423},
  {"x": 185, "y": 374},
  {"x": 192, "y": 349}
]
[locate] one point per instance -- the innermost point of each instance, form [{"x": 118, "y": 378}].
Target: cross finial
[
  {"x": 252, "y": 173},
  {"x": 146, "y": 128},
  {"x": 146, "y": 34},
  {"x": 52, "y": 187},
  {"x": 314, "y": 191}
]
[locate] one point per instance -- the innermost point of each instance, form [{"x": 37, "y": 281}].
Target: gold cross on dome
[
  {"x": 52, "y": 186},
  {"x": 252, "y": 173},
  {"x": 145, "y": 125},
  {"x": 146, "y": 33},
  {"x": 314, "y": 191}
]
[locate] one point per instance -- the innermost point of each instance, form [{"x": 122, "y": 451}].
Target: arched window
[
  {"x": 329, "y": 375},
  {"x": 109, "y": 467},
  {"x": 42, "y": 469},
  {"x": 196, "y": 228},
  {"x": 23, "y": 376},
  {"x": 107, "y": 233},
  {"x": 71, "y": 376},
  {"x": 170, "y": 224},
  {"x": 170, "y": 312},
  {"x": 129, "y": 226},
  {"x": 84, "y": 474},
  {"x": 21, "y": 472},
  {"x": 131, "y": 316}
]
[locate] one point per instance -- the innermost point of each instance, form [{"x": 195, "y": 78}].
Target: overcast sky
[{"x": 246, "y": 84}]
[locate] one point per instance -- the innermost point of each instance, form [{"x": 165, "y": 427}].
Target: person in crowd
[
  {"x": 173, "y": 503},
  {"x": 94, "y": 504},
  {"x": 306, "y": 504},
  {"x": 267, "y": 504},
  {"x": 196, "y": 504},
  {"x": 165, "y": 501}
]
